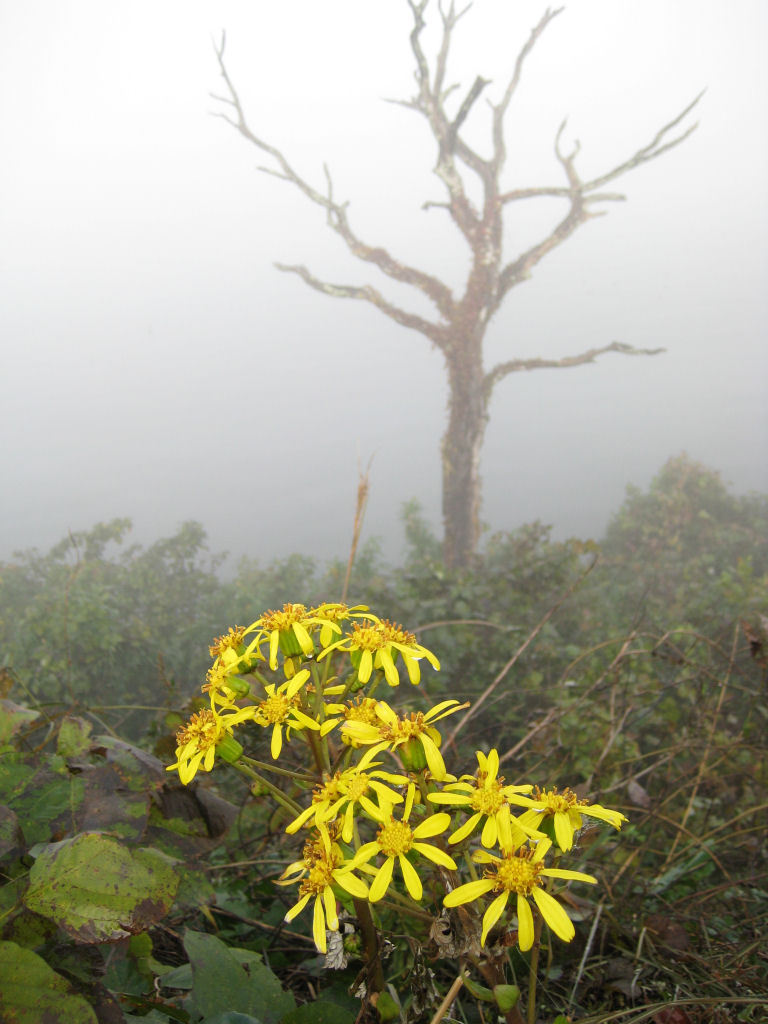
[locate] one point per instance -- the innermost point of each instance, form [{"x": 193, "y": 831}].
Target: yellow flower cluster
[{"x": 363, "y": 819}]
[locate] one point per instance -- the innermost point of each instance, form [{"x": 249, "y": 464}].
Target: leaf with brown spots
[{"x": 97, "y": 890}]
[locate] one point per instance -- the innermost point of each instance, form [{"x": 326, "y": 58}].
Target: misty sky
[{"x": 156, "y": 365}]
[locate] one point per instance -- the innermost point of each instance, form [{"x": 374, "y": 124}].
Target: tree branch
[
  {"x": 336, "y": 213},
  {"x": 500, "y": 110},
  {"x": 503, "y": 370},
  {"x": 653, "y": 149},
  {"x": 434, "y": 332}
]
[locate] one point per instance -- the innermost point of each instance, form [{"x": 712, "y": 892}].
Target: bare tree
[{"x": 460, "y": 322}]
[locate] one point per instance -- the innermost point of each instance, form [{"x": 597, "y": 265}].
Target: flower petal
[
  {"x": 432, "y": 826},
  {"x": 297, "y": 909},
  {"x": 554, "y": 914},
  {"x": 493, "y": 913},
  {"x": 578, "y": 876},
  {"x": 331, "y": 916},
  {"x": 380, "y": 884},
  {"x": 468, "y": 892},
  {"x": 318, "y": 925},
  {"x": 435, "y": 854},
  {"x": 411, "y": 878},
  {"x": 563, "y": 830},
  {"x": 351, "y": 883},
  {"x": 434, "y": 760},
  {"x": 466, "y": 828},
  {"x": 525, "y": 932}
]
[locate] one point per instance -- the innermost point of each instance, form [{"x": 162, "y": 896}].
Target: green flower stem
[
  {"x": 538, "y": 922},
  {"x": 278, "y": 795},
  {"x": 370, "y": 945},
  {"x": 470, "y": 866},
  {"x": 258, "y": 676},
  {"x": 404, "y": 908},
  {"x": 265, "y": 767},
  {"x": 319, "y": 716}
]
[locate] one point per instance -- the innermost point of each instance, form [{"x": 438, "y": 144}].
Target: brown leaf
[{"x": 638, "y": 795}]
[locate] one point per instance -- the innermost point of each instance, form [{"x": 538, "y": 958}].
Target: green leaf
[
  {"x": 97, "y": 890},
  {"x": 320, "y": 1012},
  {"x": 232, "y": 1017},
  {"x": 44, "y": 800},
  {"x": 478, "y": 991},
  {"x": 506, "y": 996},
  {"x": 31, "y": 991},
  {"x": 73, "y": 736},
  {"x": 13, "y": 717},
  {"x": 235, "y": 979}
]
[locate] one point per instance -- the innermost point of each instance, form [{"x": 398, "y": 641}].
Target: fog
[{"x": 156, "y": 365}]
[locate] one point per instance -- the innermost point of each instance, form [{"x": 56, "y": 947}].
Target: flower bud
[
  {"x": 229, "y": 749},
  {"x": 413, "y": 757}
]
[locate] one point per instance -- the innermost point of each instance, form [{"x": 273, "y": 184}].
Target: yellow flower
[
  {"x": 231, "y": 640},
  {"x": 198, "y": 739},
  {"x": 486, "y": 795},
  {"x": 231, "y": 657},
  {"x": 287, "y": 630},
  {"x": 281, "y": 708},
  {"x": 396, "y": 839},
  {"x": 336, "y": 612},
  {"x": 375, "y": 645},
  {"x": 519, "y": 871},
  {"x": 352, "y": 787},
  {"x": 363, "y": 710},
  {"x": 391, "y": 733},
  {"x": 323, "y": 865},
  {"x": 565, "y": 811}
]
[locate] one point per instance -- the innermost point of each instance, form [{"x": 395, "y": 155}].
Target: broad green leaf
[
  {"x": 31, "y": 991},
  {"x": 74, "y": 736},
  {"x": 45, "y": 801},
  {"x": 97, "y": 890},
  {"x": 506, "y": 996},
  {"x": 233, "y": 979},
  {"x": 232, "y": 1017},
  {"x": 320, "y": 1012},
  {"x": 14, "y": 717},
  {"x": 11, "y": 837}
]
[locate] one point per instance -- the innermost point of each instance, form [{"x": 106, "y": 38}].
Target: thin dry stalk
[{"x": 363, "y": 488}]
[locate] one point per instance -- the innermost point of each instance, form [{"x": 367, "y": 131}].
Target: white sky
[{"x": 155, "y": 364}]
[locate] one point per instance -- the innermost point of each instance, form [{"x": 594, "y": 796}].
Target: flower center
[
  {"x": 275, "y": 708},
  {"x": 367, "y": 636},
  {"x": 489, "y": 799},
  {"x": 233, "y": 639},
  {"x": 395, "y": 838},
  {"x": 405, "y": 728},
  {"x": 516, "y": 873},
  {"x": 328, "y": 791},
  {"x": 282, "y": 620},
  {"x": 363, "y": 712},
  {"x": 202, "y": 727},
  {"x": 320, "y": 877},
  {"x": 554, "y": 801},
  {"x": 357, "y": 786},
  {"x": 394, "y": 633}
]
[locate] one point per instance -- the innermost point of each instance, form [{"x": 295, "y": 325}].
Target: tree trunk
[{"x": 462, "y": 441}]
